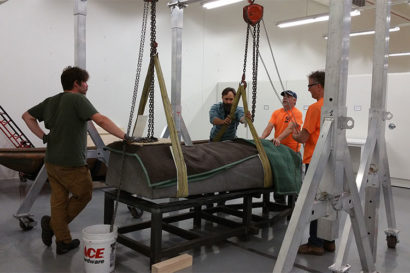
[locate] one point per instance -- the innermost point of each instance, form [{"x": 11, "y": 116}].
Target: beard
[{"x": 227, "y": 107}]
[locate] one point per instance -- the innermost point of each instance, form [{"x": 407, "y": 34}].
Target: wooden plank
[{"x": 173, "y": 264}]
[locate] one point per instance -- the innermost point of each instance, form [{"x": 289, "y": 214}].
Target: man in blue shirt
[{"x": 218, "y": 115}]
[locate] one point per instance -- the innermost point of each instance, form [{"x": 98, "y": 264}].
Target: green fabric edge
[
  {"x": 278, "y": 173},
  {"x": 138, "y": 158}
]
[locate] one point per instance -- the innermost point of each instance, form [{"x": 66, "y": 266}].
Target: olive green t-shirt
[{"x": 65, "y": 115}]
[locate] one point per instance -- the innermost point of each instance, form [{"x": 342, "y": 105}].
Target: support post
[
  {"x": 177, "y": 18},
  {"x": 80, "y": 60}
]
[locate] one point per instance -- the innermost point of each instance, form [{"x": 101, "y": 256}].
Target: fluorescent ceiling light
[
  {"x": 218, "y": 3},
  {"x": 399, "y": 54},
  {"x": 310, "y": 19},
  {"x": 369, "y": 32}
]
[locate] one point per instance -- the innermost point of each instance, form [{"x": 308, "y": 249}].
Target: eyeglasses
[{"x": 313, "y": 84}]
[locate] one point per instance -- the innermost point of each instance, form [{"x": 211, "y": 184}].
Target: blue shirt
[{"x": 217, "y": 111}]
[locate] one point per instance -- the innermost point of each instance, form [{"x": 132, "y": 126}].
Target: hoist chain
[
  {"x": 153, "y": 52},
  {"x": 255, "y": 58},
  {"x": 139, "y": 65},
  {"x": 246, "y": 55},
  {"x": 151, "y": 107},
  {"x": 256, "y": 32},
  {"x": 153, "y": 27}
]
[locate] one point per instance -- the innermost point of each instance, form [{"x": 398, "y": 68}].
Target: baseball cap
[{"x": 290, "y": 93}]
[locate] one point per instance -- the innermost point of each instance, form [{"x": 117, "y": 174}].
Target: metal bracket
[
  {"x": 345, "y": 123},
  {"x": 341, "y": 201},
  {"x": 387, "y": 116},
  {"x": 373, "y": 168},
  {"x": 80, "y": 7},
  {"x": 181, "y": 4}
]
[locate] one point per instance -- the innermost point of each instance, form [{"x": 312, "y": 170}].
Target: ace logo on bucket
[
  {"x": 99, "y": 248},
  {"x": 92, "y": 253}
]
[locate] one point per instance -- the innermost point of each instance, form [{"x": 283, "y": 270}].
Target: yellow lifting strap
[
  {"x": 267, "y": 171},
  {"x": 182, "y": 176}
]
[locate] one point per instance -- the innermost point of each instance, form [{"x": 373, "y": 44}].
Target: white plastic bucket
[{"x": 99, "y": 248}]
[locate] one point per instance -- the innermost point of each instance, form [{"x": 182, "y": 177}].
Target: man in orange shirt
[
  {"x": 309, "y": 136},
  {"x": 280, "y": 120}
]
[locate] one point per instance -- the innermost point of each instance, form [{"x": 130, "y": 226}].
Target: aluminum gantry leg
[
  {"x": 330, "y": 175},
  {"x": 373, "y": 171},
  {"x": 23, "y": 213},
  {"x": 177, "y": 19}
]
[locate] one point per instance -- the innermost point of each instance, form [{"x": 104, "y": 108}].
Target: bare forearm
[
  {"x": 267, "y": 130},
  {"x": 33, "y": 125},
  {"x": 265, "y": 133},
  {"x": 301, "y": 136},
  {"x": 108, "y": 125},
  {"x": 217, "y": 121},
  {"x": 284, "y": 134}
]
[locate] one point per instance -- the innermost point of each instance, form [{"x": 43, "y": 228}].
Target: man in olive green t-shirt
[{"x": 66, "y": 115}]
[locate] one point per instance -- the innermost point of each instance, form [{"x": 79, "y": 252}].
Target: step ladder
[
  {"x": 15, "y": 135},
  {"x": 12, "y": 131}
]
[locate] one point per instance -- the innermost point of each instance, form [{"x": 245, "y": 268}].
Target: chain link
[
  {"x": 139, "y": 65},
  {"x": 246, "y": 55},
  {"x": 256, "y": 32},
  {"x": 153, "y": 52}
]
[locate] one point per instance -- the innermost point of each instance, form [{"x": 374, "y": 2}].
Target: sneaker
[
  {"x": 329, "y": 246},
  {"x": 63, "y": 248},
  {"x": 311, "y": 250},
  {"x": 46, "y": 231}
]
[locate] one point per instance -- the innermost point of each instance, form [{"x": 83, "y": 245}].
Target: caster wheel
[
  {"x": 391, "y": 241},
  {"x": 26, "y": 223},
  {"x": 136, "y": 213}
]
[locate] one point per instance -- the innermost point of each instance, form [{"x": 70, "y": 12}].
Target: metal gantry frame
[
  {"x": 373, "y": 171},
  {"x": 331, "y": 151},
  {"x": 329, "y": 186},
  {"x": 23, "y": 213}
]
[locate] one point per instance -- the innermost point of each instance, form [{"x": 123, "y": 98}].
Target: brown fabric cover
[{"x": 199, "y": 158}]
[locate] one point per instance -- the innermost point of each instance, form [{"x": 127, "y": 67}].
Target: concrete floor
[{"x": 23, "y": 251}]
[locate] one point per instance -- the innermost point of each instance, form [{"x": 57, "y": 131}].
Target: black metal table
[{"x": 204, "y": 207}]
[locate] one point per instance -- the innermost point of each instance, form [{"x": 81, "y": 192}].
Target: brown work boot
[
  {"x": 311, "y": 250},
  {"x": 329, "y": 246},
  {"x": 63, "y": 248},
  {"x": 46, "y": 231}
]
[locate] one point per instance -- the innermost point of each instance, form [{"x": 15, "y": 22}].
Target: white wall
[{"x": 37, "y": 43}]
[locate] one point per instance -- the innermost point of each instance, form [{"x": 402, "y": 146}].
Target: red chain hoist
[{"x": 252, "y": 14}]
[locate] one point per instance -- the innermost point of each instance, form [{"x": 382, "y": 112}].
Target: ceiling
[{"x": 400, "y": 10}]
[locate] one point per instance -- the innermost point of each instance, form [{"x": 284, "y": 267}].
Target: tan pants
[{"x": 64, "y": 208}]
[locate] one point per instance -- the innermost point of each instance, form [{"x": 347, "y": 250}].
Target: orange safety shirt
[
  {"x": 312, "y": 125},
  {"x": 280, "y": 120}
]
